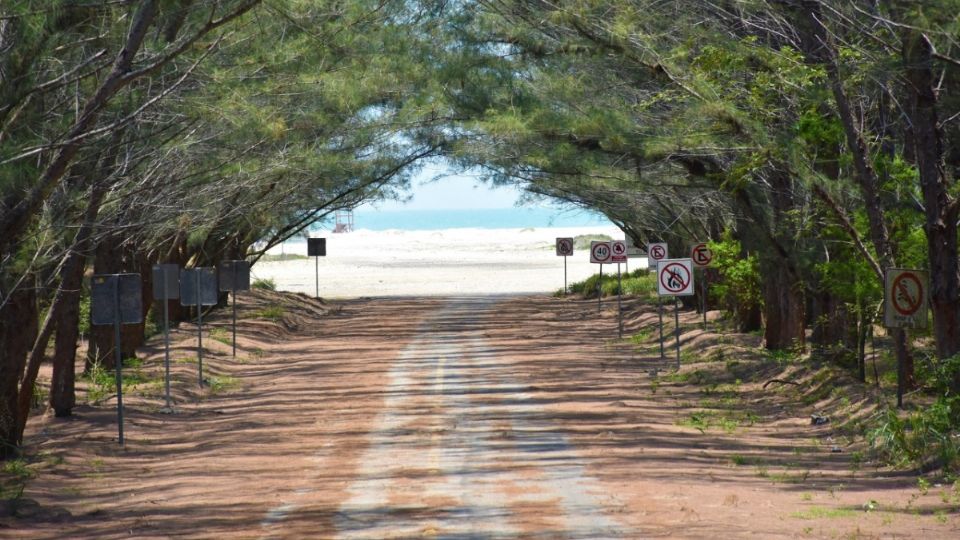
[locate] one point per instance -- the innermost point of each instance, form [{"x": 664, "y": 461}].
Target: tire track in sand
[{"x": 460, "y": 451}]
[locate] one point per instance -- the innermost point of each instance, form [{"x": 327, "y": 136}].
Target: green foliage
[
  {"x": 637, "y": 283},
  {"x": 272, "y": 313},
  {"x": 103, "y": 382},
  {"x": 930, "y": 435},
  {"x": 265, "y": 284},
  {"x": 739, "y": 285},
  {"x": 582, "y": 241}
]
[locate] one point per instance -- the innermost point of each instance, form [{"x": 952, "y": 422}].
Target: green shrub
[
  {"x": 265, "y": 284},
  {"x": 582, "y": 242}
]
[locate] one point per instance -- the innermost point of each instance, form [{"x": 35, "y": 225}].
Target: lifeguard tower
[{"x": 343, "y": 221}]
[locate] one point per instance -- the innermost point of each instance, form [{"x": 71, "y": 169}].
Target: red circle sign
[
  {"x": 657, "y": 253},
  {"x": 675, "y": 277},
  {"x": 600, "y": 252},
  {"x": 907, "y": 294},
  {"x": 701, "y": 255}
]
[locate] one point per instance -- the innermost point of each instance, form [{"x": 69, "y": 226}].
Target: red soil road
[{"x": 450, "y": 418}]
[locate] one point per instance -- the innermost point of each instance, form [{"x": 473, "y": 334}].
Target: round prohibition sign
[
  {"x": 564, "y": 246},
  {"x": 601, "y": 252},
  {"x": 656, "y": 253},
  {"x": 701, "y": 255},
  {"x": 907, "y": 294},
  {"x": 677, "y": 277}
]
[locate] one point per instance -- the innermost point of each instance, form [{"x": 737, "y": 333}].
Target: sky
[{"x": 455, "y": 192}]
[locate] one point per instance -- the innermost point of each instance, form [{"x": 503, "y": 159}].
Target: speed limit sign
[{"x": 600, "y": 252}]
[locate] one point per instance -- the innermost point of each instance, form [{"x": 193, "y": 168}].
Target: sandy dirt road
[{"x": 458, "y": 418}]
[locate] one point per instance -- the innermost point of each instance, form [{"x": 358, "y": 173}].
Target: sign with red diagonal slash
[
  {"x": 905, "y": 298},
  {"x": 675, "y": 277},
  {"x": 701, "y": 255},
  {"x": 600, "y": 252},
  {"x": 564, "y": 247},
  {"x": 657, "y": 252},
  {"x": 618, "y": 251}
]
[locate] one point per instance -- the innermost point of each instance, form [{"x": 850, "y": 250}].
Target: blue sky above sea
[{"x": 442, "y": 199}]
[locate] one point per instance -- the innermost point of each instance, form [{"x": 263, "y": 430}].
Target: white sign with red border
[
  {"x": 600, "y": 252},
  {"x": 904, "y": 298},
  {"x": 618, "y": 251},
  {"x": 701, "y": 255},
  {"x": 564, "y": 247},
  {"x": 675, "y": 277},
  {"x": 657, "y": 252}
]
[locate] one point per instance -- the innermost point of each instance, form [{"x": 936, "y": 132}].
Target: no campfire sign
[
  {"x": 675, "y": 277},
  {"x": 905, "y": 298},
  {"x": 564, "y": 247}
]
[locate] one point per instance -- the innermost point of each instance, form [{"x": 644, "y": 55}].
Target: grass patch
[
  {"x": 223, "y": 384},
  {"x": 639, "y": 283},
  {"x": 222, "y": 335},
  {"x": 821, "y": 512},
  {"x": 271, "y": 313},
  {"x": 282, "y": 257},
  {"x": 264, "y": 284},
  {"x": 103, "y": 380},
  {"x": 13, "y": 478}
]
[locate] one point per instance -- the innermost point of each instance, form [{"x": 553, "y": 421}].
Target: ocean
[{"x": 493, "y": 218}]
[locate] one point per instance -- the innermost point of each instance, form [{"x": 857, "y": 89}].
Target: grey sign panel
[
  {"x": 166, "y": 282},
  {"x": 208, "y": 286},
  {"x": 103, "y": 299},
  {"x": 234, "y": 275},
  {"x": 317, "y": 247}
]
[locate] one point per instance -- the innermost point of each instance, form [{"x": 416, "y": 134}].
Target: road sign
[
  {"x": 657, "y": 252},
  {"x": 701, "y": 255},
  {"x": 234, "y": 275},
  {"x": 166, "y": 282},
  {"x": 110, "y": 292},
  {"x": 316, "y": 247},
  {"x": 675, "y": 277},
  {"x": 618, "y": 251},
  {"x": 207, "y": 283},
  {"x": 600, "y": 252},
  {"x": 905, "y": 298},
  {"x": 564, "y": 247}
]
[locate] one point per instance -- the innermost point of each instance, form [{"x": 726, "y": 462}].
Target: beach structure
[{"x": 343, "y": 221}]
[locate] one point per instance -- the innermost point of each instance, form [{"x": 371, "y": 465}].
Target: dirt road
[{"x": 487, "y": 417}]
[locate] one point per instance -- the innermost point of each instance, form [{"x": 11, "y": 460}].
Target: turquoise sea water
[{"x": 497, "y": 218}]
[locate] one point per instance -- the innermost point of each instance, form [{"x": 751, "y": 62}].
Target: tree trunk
[
  {"x": 940, "y": 209},
  {"x": 18, "y": 330},
  {"x": 783, "y": 310}
]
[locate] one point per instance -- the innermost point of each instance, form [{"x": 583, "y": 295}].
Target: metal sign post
[
  {"x": 663, "y": 355},
  {"x": 115, "y": 299},
  {"x": 600, "y": 253},
  {"x": 564, "y": 249},
  {"x": 316, "y": 248},
  {"x": 675, "y": 278},
  {"x": 702, "y": 256},
  {"x": 198, "y": 287},
  {"x": 234, "y": 277},
  {"x": 619, "y": 304},
  {"x": 618, "y": 254},
  {"x": 904, "y": 306},
  {"x": 165, "y": 288}
]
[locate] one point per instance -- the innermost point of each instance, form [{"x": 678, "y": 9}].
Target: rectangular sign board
[
  {"x": 166, "y": 282},
  {"x": 675, "y": 277},
  {"x": 104, "y": 289},
  {"x": 564, "y": 247},
  {"x": 600, "y": 252},
  {"x": 618, "y": 251},
  {"x": 234, "y": 275},
  {"x": 657, "y": 252},
  {"x": 316, "y": 247},
  {"x": 905, "y": 298},
  {"x": 188, "y": 286}
]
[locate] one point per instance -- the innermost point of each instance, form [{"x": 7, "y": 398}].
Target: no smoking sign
[
  {"x": 675, "y": 277},
  {"x": 905, "y": 298}
]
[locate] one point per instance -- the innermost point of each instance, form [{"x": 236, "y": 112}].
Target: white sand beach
[{"x": 441, "y": 262}]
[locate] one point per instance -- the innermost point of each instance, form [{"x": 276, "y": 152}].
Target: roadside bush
[
  {"x": 929, "y": 438},
  {"x": 264, "y": 284}
]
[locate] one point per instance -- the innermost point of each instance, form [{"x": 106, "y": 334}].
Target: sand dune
[{"x": 443, "y": 262}]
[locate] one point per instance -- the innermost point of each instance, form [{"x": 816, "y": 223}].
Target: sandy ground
[
  {"x": 447, "y": 262},
  {"x": 466, "y": 417}
]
